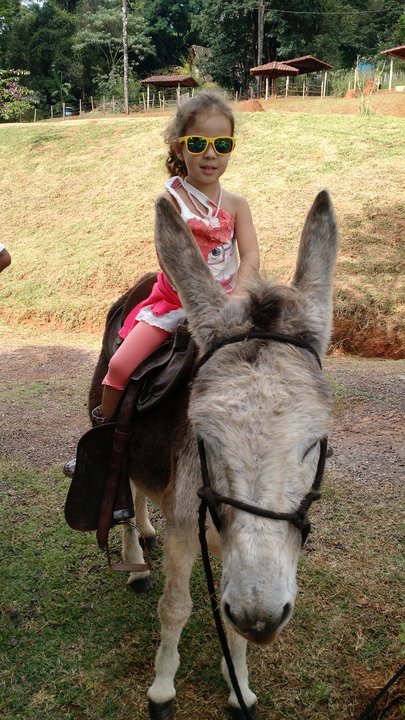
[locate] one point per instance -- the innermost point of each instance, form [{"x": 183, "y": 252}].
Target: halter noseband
[{"x": 212, "y": 500}]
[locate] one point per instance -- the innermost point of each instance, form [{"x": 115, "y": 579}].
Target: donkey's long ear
[
  {"x": 315, "y": 266},
  {"x": 205, "y": 302}
]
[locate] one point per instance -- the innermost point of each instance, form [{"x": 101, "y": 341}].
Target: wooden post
[
  {"x": 92, "y": 103},
  {"x": 103, "y": 104},
  {"x": 287, "y": 85},
  {"x": 80, "y": 108},
  {"x": 267, "y": 88},
  {"x": 51, "y": 112},
  {"x": 178, "y": 93},
  {"x": 147, "y": 97},
  {"x": 113, "y": 104},
  {"x": 325, "y": 82},
  {"x": 63, "y": 110},
  {"x": 391, "y": 74},
  {"x": 144, "y": 102},
  {"x": 236, "y": 96},
  {"x": 35, "y": 114},
  {"x": 303, "y": 88},
  {"x": 322, "y": 89}
]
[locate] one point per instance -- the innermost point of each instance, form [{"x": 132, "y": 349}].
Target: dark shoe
[
  {"x": 96, "y": 419},
  {"x": 69, "y": 468}
]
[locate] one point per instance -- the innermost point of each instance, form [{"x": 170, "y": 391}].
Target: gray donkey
[{"x": 261, "y": 407}]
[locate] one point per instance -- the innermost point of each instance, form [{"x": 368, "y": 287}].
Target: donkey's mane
[{"x": 279, "y": 309}]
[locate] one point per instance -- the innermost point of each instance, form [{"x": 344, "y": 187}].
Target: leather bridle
[
  {"x": 211, "y": 500},
  {"x": 298, "y": 518}
]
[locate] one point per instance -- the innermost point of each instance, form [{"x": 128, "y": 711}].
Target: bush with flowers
[{"x": 15, "y": 99}]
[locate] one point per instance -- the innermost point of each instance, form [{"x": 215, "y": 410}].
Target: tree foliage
[
  {"x": 79, "y": 42},
  {"x": 100, "y": 33},
  {"x": 15, "y": 98}
]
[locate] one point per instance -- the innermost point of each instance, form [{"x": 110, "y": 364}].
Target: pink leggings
[{"x": 137, "y": 346}]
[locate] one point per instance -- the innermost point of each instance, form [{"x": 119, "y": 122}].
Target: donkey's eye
[{"x": 311, "y": 447}]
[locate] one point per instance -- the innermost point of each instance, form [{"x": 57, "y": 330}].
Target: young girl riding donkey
[{"x": 200, "y": 139}]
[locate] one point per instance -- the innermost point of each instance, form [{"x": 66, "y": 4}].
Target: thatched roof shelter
[
  {"x": 273, "y": 70},
  {"x": 395, "y": 52},
  {"x": 167, "y": 81},
  {"x": 295, "y": 66}
]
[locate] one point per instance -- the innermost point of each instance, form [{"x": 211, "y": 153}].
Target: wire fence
[{"x": 162, "y": 101}]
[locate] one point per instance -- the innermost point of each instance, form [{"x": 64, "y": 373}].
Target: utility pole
[{"x": 125, "y": 48}]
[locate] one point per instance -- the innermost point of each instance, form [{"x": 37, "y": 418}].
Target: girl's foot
[{"x": 96, "y": 419}]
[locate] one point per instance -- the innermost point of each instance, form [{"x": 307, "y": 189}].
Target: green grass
[
  {"x": 77, "y": 201},
  {"x": 77, "y": 643}
]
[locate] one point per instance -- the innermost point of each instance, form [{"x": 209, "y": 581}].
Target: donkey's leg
[
  {"x": 237, "y": 647},
  {"x": 148, "y": 533},
  {"x": 131, "y": 548},
  {"x": 174, "y": 610}
]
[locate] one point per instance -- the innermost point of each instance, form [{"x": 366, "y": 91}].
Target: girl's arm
[{"x": 247, "y": 245}]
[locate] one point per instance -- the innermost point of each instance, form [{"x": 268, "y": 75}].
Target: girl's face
[{"x": 206, "y": 169}]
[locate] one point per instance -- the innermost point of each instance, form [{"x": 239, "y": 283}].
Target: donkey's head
[{"x": 261, "y": 407}]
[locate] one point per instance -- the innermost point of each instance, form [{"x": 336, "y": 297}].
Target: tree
[
  {"x": 15, "y": 98},
  {"x": 125, "y": 51},
  {"x": 173, "y": 28},
  {"x": 234, "y": 42},
  {"x": 101, "y": 33}
]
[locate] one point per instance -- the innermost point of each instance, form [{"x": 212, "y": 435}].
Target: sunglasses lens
[
  {"x": 223, "y": 145},
  {"x": 196, "y": 144}
]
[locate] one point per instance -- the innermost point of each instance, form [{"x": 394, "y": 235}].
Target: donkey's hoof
[
  {"x": 142, "y": 585},
  {"x": 238, "y": 714},
  {"x": 161, "y": 711},
  {"x": 149, "y": 540}
]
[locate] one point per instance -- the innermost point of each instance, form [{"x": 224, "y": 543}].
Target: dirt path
[{"x": 43, "y": 393}]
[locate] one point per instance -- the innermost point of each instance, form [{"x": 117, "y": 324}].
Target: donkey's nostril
[
  {"x": 286, "y": 612},
  {"x": 228, "y": 613}
]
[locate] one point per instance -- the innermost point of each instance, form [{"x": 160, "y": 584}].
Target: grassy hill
[{"x": 77, "y": 213}]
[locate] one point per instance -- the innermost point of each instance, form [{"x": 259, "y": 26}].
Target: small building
[
  {"x": 272, "y": 71},
  {"x": 308, "y": 64},
  {"x": 395, "y": 52},
  {"x": 290, "y": 68},
  {"x": 167, "y": 81}
]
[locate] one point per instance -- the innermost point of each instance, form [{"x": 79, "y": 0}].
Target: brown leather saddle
[{"x": 99, "y": 495}]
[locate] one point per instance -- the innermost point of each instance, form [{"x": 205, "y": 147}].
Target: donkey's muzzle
[{"x": 258, "y": 629}]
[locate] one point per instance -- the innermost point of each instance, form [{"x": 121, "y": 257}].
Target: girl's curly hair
[{"x": 205, "y": 102}]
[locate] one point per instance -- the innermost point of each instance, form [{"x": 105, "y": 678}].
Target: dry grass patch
[{"x": 78, "y": 199}]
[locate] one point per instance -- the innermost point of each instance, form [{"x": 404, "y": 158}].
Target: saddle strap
[{"x": 117, "y": 503}]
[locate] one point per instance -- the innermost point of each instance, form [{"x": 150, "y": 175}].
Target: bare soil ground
[{"x": 43, "y": 395}]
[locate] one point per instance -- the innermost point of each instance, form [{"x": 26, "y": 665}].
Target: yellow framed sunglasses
[{"x": 197, "y": 144}]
